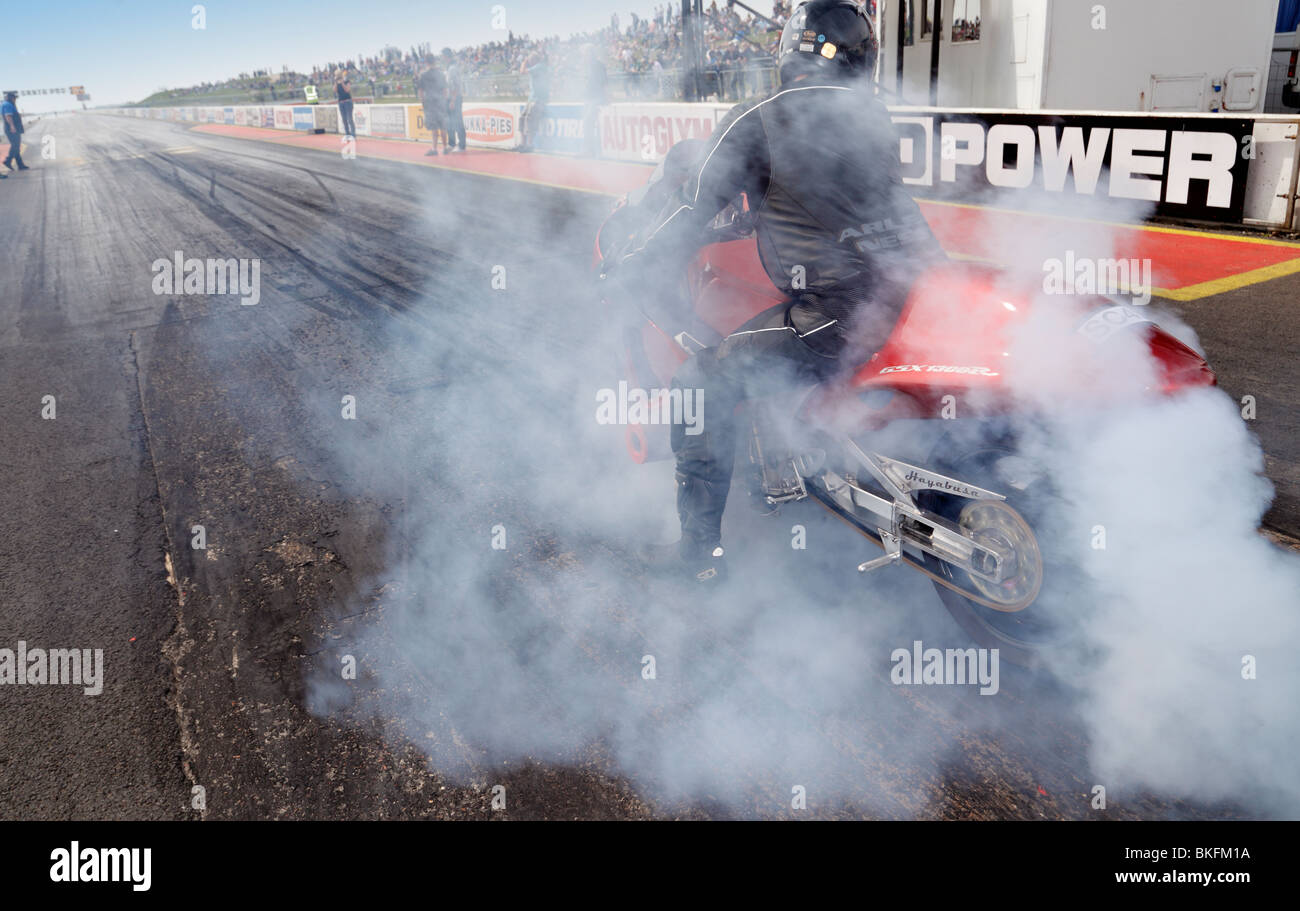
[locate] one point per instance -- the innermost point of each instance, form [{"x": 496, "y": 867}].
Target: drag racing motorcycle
[{"x": 959, "y": 500}]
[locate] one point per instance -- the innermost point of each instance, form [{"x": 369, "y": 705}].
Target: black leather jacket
[{"x": 819, "y": 165}]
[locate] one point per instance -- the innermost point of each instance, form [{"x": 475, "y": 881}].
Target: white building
[{"x": 1097, "y": 55}]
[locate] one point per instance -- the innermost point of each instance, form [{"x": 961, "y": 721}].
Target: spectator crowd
[{"x": 643, "y": 57}]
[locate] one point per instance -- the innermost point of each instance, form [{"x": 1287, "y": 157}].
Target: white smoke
[
  {"x": 1188, "y": 597},
  {"x": 537, "y": 652},
  {"x": 1189, "y": 616}
]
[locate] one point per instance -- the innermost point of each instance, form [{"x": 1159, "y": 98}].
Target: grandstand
[{"x": 645, "y": 59}]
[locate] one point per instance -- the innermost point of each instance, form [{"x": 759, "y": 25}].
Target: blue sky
[{"x": 124, "y": 50}]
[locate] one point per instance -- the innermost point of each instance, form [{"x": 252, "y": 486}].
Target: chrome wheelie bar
[{"x": 901, "y": 524}]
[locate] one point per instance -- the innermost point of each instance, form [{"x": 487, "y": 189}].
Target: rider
[{"x": 818, "y": 162}]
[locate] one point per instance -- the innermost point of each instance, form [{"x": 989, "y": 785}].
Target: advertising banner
[
  {"x": 327, "y": 118},
  {"x": 388, "y": 120},
  {"x": 560, "y": 129},
  {"x": 1180, "y": 166},
  {"x": 645, "y": 132},
  {"x": 283, "y": 117},
  {"x": 303, "y": 118},
  {"x": 361, "y": 117},
  {"x": 415, "y": 128},
  {"x": 492, "y": 124}
]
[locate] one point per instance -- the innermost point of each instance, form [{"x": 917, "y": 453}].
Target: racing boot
[{"x": 698, "y": 556}]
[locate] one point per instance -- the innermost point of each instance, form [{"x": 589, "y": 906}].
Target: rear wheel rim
[
  {"x": 1040, "y": 624},
  {"x": 996, "y": 525}
]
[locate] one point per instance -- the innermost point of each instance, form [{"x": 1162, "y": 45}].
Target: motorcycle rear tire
[{"x": 1024, "y": 638}]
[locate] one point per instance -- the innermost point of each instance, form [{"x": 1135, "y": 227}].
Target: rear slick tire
[{"x": 1027, "y": 637}]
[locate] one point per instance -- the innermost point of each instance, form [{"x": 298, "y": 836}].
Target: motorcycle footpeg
[
  {"x": 879, "y": 563},
  {"x": 893, "y": 553}
]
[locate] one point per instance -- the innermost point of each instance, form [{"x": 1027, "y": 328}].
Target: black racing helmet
[{"x": 827, "y": 38}]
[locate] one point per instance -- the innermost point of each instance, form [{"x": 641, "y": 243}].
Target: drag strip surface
[{"x": 411, "y": 292}]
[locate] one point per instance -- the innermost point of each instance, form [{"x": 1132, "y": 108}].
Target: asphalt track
[{"x": 176, "y": 410}]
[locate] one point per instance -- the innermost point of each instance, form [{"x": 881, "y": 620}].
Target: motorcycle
[{"x": 964, "y": 504}]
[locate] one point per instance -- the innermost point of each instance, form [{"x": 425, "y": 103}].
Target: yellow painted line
[
  {"x": 1230, "y": 282},
  {"x": 969, "y": 258},
  {"x": 1186, "y": 232},
  {"x": 1191, "y": 292}
]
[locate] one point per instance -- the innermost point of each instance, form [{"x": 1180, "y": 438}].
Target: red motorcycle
[{"x": 969, "y": 510}]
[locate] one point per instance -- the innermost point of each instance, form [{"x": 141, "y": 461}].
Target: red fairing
[
  {"x": 953, "y": 337},
  {"x": 950, "y": 338},
  {"x": 1181, "y": 367},
  {"x": 730, "y": 286},
  {"x": 957, "y": 316}
]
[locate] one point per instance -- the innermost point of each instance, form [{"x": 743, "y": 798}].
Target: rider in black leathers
[{"x": 818, "y": 162}]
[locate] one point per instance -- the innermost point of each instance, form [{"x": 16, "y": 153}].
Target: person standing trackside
[
  {"x": 539, "y": 95},
  {"x": 595, "y": 100},
  {"x": 13, "y": 131},
  {"x": 343, "y": 91},
  {"x": 455, "y": 108},
  {"x": 433, "y": 96}
]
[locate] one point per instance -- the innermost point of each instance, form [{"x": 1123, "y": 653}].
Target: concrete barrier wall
[{"x": 1231, "y": 169}]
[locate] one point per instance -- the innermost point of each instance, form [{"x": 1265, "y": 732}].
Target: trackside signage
[
  {"x": 1190, "y": 167},
  {"x": 645, "y": 132},
  {"x": 560, "y": 128},
  {"x": 491, "y": 125},
  {"x": 1184, "y": 165}
]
